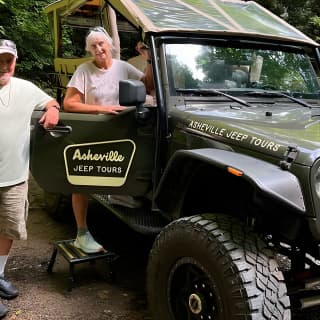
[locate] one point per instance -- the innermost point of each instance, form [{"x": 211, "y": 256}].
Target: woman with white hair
[{"x": 94, "y": 88}]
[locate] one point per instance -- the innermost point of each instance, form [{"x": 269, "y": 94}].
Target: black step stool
[{"x": 75, "y": 256}]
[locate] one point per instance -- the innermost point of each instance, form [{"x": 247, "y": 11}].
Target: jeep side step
[
  {"x": 309, "y": 302},
  {"x": 141, "y": 220},
  {"x": 305, "y": 294}
]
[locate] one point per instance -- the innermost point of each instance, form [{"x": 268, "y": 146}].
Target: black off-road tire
[
  {"x": 58, "y": 206},
  {"x": 214, "y": 267}
]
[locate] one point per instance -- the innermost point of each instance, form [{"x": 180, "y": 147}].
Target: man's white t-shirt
[
  {"x": 99, "y": 86},
  {"x": 17, "y": 101}
]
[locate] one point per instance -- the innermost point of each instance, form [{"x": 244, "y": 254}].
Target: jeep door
[{"x": 110, "y": 154}]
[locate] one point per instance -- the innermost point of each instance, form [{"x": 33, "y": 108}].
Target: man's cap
[{"x": 8, "y": 46}]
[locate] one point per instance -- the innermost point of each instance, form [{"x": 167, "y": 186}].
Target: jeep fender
[{"x": 265, "y": 177}]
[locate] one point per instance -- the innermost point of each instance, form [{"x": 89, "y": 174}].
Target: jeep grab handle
[{"x": 59, "y": 129}]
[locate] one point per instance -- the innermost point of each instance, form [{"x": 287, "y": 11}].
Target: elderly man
[{"x": 18, "y": 98}]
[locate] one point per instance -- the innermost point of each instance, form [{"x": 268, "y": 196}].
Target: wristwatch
[{"x": 55, "y": 106}]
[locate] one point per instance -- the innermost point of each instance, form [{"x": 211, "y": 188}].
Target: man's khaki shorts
[{"x": 14, "y": 211}]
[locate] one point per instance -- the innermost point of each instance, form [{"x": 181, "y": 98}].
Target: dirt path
[{"x": 45, "y": 296}]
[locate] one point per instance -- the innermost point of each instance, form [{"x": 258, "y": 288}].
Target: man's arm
[
  {"x": 147, "y": 78},
  {"x": 51, "y": 117},
  {"x": 52, "y": 104}
]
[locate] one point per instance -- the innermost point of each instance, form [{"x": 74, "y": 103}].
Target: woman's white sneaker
[{"x": 87, "y": 244}]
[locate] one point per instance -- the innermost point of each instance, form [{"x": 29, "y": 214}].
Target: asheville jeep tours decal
[
  {"x": 99, "y": 163},
  {"x": 230, "y": 134}
]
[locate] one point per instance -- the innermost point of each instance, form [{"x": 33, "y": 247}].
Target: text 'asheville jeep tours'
[{"x": 226, "y": 163}]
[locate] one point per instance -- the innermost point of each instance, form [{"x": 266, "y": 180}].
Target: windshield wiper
[
  {"x": 216, "y": 92},
  {"x": 278, "y": 94}
]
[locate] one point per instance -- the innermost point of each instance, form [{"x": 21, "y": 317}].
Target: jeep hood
[{"x": 261, "y": 128}]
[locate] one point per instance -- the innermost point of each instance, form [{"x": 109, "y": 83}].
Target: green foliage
[
  {"x": 303, "y": 14},
  {"x": 25, "y": 23},
  {"x": 315, "y": 26}
]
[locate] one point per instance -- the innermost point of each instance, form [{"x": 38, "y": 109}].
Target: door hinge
[{"x": 289, "y": 157}]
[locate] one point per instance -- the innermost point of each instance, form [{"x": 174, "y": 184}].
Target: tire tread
[{"x": 245, "y": 257}]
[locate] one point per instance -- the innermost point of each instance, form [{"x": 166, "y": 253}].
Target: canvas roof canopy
[
  {"x": 234, "y": 17},
  {"x": 207, "y": 16}
]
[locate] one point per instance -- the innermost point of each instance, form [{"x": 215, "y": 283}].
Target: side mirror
[{"x": 133, "y": 93}]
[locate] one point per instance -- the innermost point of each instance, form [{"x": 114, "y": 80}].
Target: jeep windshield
[{"x": 246, "y": 71}]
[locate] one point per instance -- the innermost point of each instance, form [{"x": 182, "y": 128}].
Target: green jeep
[{"x": 227, "y": 163}]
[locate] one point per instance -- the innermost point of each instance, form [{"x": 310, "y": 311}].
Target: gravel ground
[{"x": 95, "y": 296}]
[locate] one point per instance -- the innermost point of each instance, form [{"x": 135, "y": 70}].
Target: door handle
[
  {"x": 57, "y": 131},
  {"x": 60, "y": 129}
]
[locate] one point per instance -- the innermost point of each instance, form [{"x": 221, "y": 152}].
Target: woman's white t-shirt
[{"x": 101, "y": 86}]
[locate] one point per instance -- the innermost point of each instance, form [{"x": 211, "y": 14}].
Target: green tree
[
  {"x": 303, "y": 14},
  {"x": 25, "y": 22}
]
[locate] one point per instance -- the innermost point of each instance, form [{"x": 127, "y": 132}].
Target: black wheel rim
[{"x": 192, "y": 294}]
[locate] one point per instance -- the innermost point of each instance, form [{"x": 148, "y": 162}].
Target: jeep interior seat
[{"x": 241, "y": 78}]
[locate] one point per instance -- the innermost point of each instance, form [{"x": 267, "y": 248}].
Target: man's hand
[
  {"x": 50, "y": 118},
  {"x": 143, "y": 50}
]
